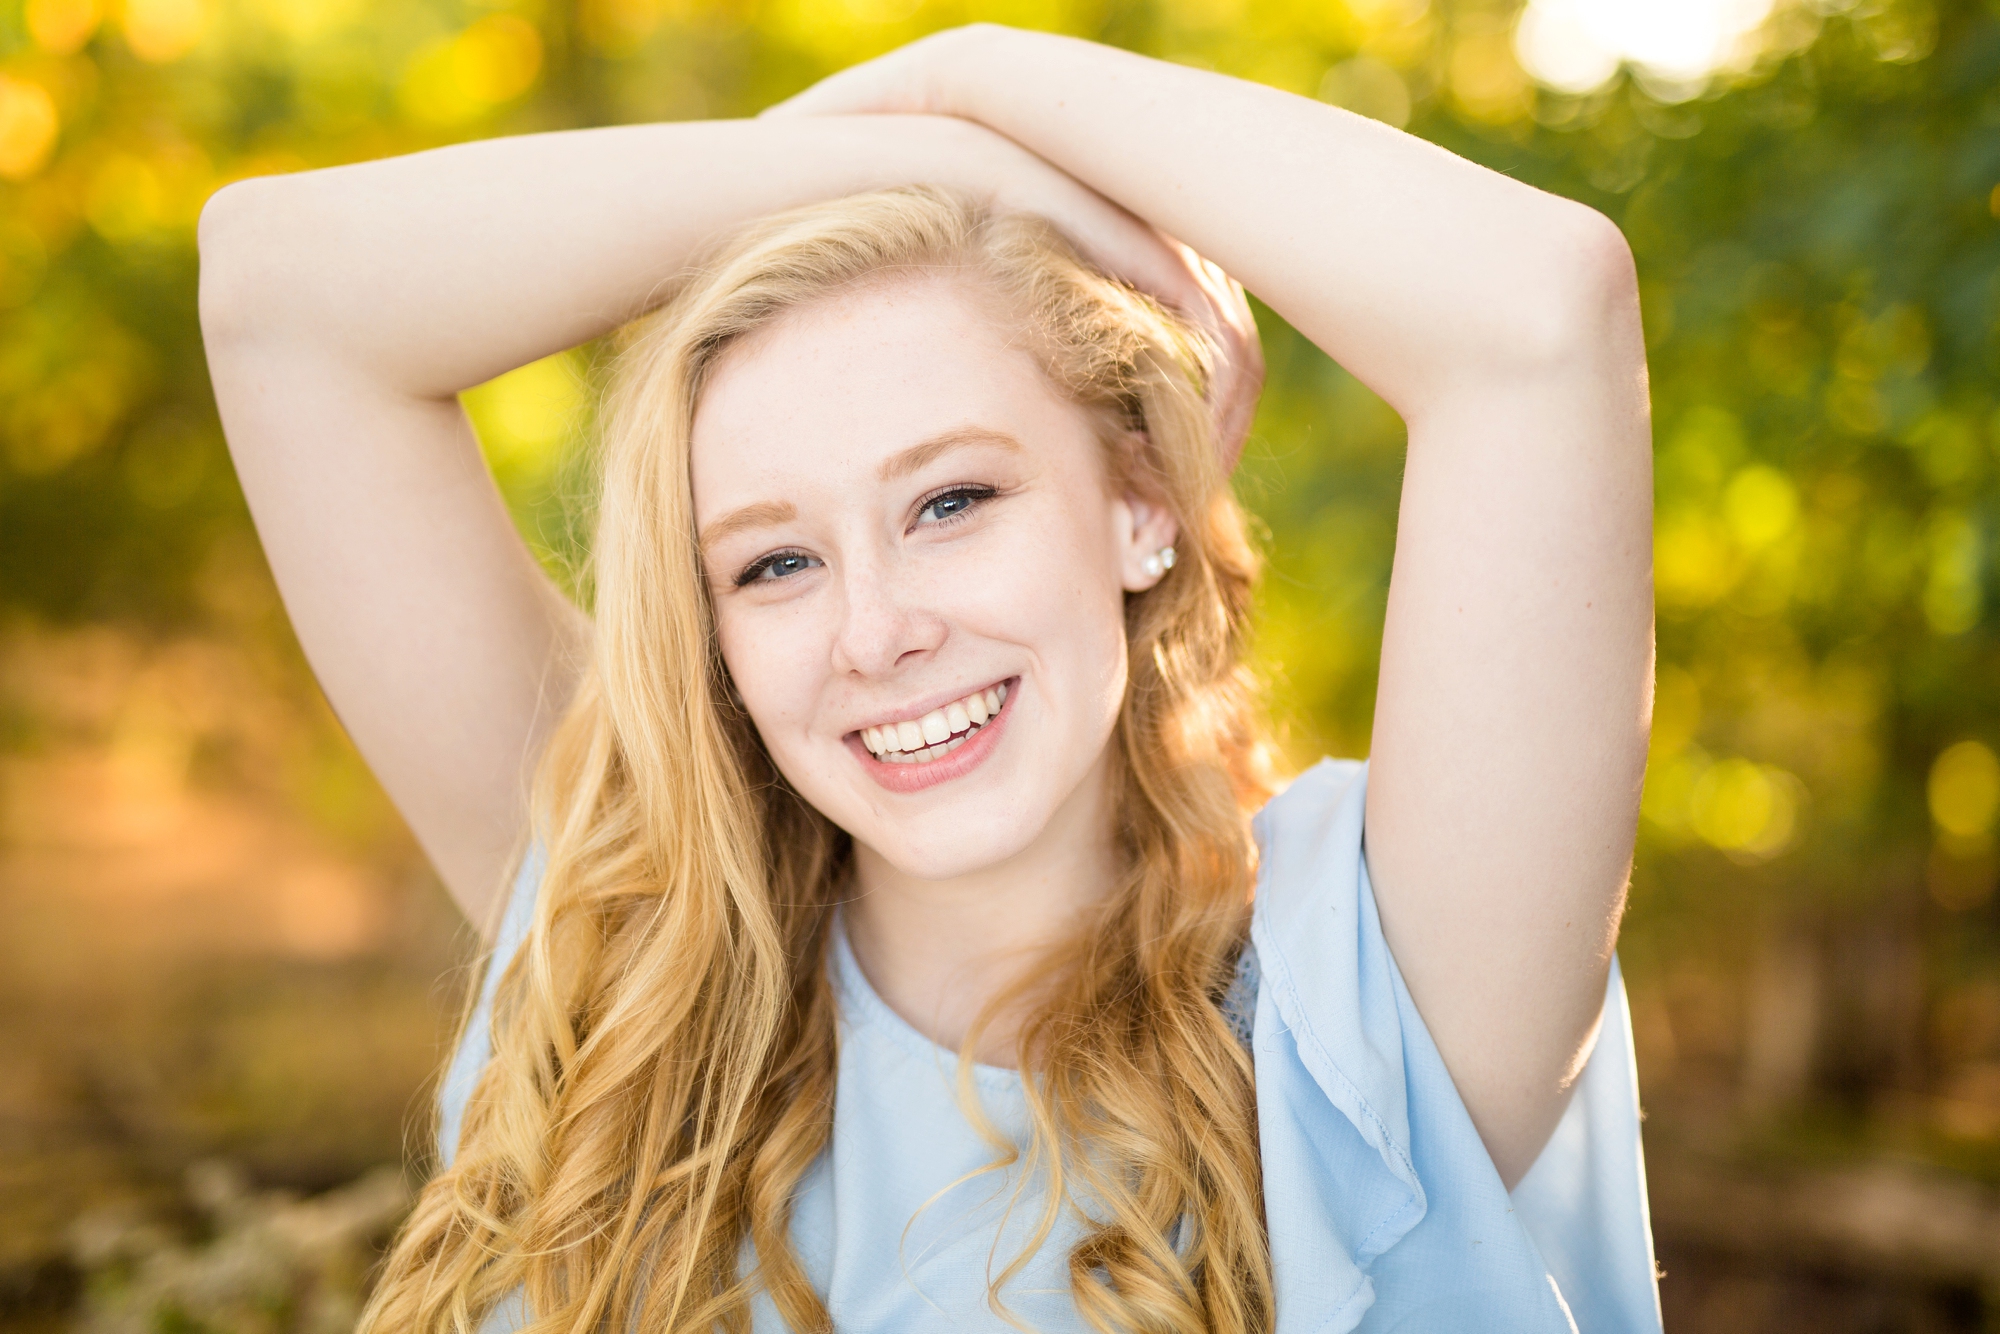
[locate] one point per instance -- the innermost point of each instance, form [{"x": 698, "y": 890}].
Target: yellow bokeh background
[{"x": 224, "y": 948}]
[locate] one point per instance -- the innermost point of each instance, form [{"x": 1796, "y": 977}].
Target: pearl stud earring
[{"x": 1159, "y": 563}]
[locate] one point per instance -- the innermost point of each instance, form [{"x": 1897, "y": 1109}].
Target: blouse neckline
[{"x": 861, "y": 1004}]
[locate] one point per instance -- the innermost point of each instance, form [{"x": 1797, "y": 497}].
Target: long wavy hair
[{"x": 663, "y": 1066}]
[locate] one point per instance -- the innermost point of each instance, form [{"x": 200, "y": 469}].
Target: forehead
[{"x": 829, "y": 391}]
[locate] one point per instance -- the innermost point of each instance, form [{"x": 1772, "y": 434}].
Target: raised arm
[
  {"x": 1502, "y": 323},
  {"x": 345, "y": 309}
]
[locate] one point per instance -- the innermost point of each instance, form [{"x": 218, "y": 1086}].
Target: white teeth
[
  {"x": 927, "y": 753},
  {"x": 937, "y": 733}
]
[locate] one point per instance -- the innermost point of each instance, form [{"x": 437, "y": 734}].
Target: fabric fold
[{"x": 1386, "y": 1212}]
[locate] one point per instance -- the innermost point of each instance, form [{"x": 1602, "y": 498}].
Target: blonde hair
[{"x": 663, "y": 1066}]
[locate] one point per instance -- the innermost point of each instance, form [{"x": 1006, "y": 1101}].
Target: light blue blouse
[{"x": 1384, "y": 1210}]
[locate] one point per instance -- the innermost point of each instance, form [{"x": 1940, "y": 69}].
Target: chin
[
  {"x": 941, "y": 834},
  {"x": 945, "y": 846}
]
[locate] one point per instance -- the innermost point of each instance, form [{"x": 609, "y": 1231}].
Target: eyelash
[
  {"x": 754, "y": 571},
  {"x": 975, "y": 494}
]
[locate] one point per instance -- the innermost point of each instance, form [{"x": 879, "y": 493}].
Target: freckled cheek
[
  {"x": 778, "y": 662},
  {"x": 1059, "y": 599}
]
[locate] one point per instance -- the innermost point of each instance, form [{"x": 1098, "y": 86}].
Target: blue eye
[
  {"x": 954, "y": 503},
  {"x": 777, "y": 565}
]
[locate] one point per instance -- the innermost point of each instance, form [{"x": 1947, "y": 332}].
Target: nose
[{"x": 886, "y": 621}]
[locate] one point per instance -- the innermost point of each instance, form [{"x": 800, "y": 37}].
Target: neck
[{"x": 937, "y": 951}]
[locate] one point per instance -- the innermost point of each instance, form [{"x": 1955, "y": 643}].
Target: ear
[{"x": 1146, "y": 532}]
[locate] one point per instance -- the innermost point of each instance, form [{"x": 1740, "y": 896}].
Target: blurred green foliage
[{"x": 1818, "y": 238}]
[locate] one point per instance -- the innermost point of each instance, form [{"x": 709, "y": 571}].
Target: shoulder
[
  {"x": 1309, "y": 849},
  {"x": 475, "y": 1042},
  {"x": 1328, "y": 990},
  {"x": 1386, "y": 1209},
  {"x": 1319, "y": 812}
]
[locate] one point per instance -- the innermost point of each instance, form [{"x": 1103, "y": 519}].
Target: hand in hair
[
  {"x": 1219, "y": 308},
  {"x": 909, "y": 80}
]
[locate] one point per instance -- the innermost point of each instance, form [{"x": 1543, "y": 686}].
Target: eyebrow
[
  {"x": 763, "y": 514},
  {"x": 769, "y": 513},
  {"x": 918, "y": 455}
]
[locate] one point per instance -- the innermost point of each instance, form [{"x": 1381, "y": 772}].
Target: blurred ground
[{"x": 189, "y": 966}]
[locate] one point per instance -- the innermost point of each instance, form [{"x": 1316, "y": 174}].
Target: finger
[
  {"x": 1120, "y": 244},
  {"x": 1179, "y": 283},
  {"x": 886, "y": 84}
]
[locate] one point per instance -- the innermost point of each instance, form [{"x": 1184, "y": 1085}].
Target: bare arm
[
  {"x": 345, "y": 309},
  {"x": 1502, "y": 323}
]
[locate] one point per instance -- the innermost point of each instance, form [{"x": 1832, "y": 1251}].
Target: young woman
[{"x": 890, "y": 944}]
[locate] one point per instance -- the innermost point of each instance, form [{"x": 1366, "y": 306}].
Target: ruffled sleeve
[
  {"x": 1385, "y": 1211},
  {"x": 475, "y": 1047}
]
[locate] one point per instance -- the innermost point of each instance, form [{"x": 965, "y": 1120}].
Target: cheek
[
  {"x": 1063, "y": 586},
  {"x": 770, "y": 654}
]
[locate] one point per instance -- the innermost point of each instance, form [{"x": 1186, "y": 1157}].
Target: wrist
[{"x": 934, "y": 146}]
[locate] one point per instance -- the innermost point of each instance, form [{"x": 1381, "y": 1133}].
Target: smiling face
[{"x": 903, "y": 525}]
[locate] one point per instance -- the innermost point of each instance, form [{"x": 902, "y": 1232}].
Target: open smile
[
  {"x": 937, "y": 733},
  {"x": 916, "y": 753}
]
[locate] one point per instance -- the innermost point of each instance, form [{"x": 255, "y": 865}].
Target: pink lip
[{"x": 917, "y": 777}]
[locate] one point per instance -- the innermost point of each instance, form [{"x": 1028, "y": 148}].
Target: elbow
[
  {"x": 1607, "y": 283},
  {"x": 1590, "y": 305},
  {"x": 241, "y": 238},
  {"x": 1601, "y": 258}
]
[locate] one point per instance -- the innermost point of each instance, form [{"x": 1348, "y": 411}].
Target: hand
[
  {"x": 919, "y": 79},
  {"x": 1170, "y": 272},
  {"x": 912, "y": 79},
  {"x": 1219, "y": 308}
]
